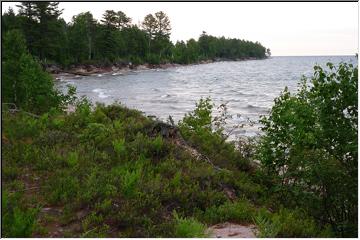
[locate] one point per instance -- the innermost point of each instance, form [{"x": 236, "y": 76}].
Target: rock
[
  {"x": 114, "y": 68},
  {"x": 53, "y": 69},
  {"x": 80, "y": 70},
  {"x": 51, "y": 211},
  {"x": 142, "y": 67},
  {"x": 232, "y": 230}
]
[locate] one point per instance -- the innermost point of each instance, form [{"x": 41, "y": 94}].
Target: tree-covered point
[{"x": 115, "y": 38}]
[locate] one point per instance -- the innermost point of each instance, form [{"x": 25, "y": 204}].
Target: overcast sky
[{"x": 288, "y": 29}]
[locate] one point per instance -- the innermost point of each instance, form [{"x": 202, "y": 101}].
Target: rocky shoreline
[{"x": 119, "y": 68}]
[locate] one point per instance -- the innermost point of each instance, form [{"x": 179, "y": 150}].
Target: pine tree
[
  {"x": 49, "y": 29},
  {"x": 110, "y": 19},
  {"x": 82, "y": 36},
  {"x": 24, "y": 81},
  {"x": 122, "y": 20},
  {"x": 14, "y": 48}
]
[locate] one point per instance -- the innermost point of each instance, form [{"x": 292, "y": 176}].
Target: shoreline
[{"x": 124, "y": 68}]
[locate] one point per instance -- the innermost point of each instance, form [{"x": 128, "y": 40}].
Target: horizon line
[{"x": 328, "y": 55}]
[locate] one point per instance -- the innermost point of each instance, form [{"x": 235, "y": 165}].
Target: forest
[
  {"x": 111, "y": 171},
  {"x": 115, "y": 39}
]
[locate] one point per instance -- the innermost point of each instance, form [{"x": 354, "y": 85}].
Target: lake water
[{"x": 248, "y": 87}]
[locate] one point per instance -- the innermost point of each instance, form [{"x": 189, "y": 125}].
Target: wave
[
  {"x": 166, "y": 96},
  {"x": 262, "y": 109},
  {"x": 98, "y": 90},
  {"x": 101, "y": 92},
  {"x": 116, "y": 74},
  {"x": 102, "y": 95}
]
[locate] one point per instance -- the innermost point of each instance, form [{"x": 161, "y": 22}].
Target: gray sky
[{"x": 286, "y": 28}]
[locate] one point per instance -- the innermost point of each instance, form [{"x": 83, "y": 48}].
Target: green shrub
[
  {"x": 288, "y": 223},
  {"x": 9, "y": 172},
  {"x": 16, "y": 222},
  {"x": 309, "y": 151},
  {"x": 119, "y": 147},
  {"x": 72, "y": 159},
  {"x": 240, "y": 211},
  {"x": 157, "y": 145},
  {"x": 129, "y": 182},
  {"x": 188, "y": 227},
  {"x": 129, "y": 176},
  {"x": 63, "y": 188},
  {"x": 206, "y": 132}
]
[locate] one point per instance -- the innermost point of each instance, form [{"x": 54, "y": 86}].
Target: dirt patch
[{"x": 232, "y": 230}]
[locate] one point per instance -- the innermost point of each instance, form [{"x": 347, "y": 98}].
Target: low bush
[
  {"x": 289, "y": 223},
  {"x": 188, "y": 227},
  {"x": 240, "y": 211},
  {"x": 16, "y": 221}
]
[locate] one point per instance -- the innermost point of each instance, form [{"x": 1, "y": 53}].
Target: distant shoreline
[
  {"x": 123, "y": 68},
  {"x": 314, "y": 55}
]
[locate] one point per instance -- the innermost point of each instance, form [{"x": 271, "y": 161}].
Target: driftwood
[
  {"x": 14, "y": 109},
  {"x": 165, "y": 130},
  {"x": 172, "y": 132}
]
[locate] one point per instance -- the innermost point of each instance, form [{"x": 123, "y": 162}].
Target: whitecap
[
  {"x": 117, "y": 73},
  {"x": 97, "y": 90},
  {"x": 102, "y": 95}
]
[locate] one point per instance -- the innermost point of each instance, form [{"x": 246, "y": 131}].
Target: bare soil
[{"x": 232, "y": 230}]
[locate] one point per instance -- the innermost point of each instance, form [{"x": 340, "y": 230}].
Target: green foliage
[
  {"x": 73, "y": 159},
  {"x": 200, "y": 119},
  {"x": 64, "y": 188},
  {"x": 157, "y": 144},
  {"x": 26, "y": 84},
  {"x": 114, "y": 39},
  {"x": 240, "y": 211},
  {"x": 206, "y": 132},
  {"x": 188, "y": 227},
  {"x": 288, "y": 223},
  {"x": 96, "y": 134},
  {"x": 309, "y": 150},
  {"x": 129, "y": 180},
  {"x": 119, "y": 147},
  {"x": 16, "y": 222}
]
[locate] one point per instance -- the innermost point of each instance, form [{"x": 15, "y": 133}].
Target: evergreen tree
[
  {"x": 52, "y": 40},
  {"x": 82, "y": 36},
  {"x": 14, "y": 48},
  {"x": 110, "y": 19},
  {"x": 24, "y": 81},
  {"x": 162, "y": 25},
  {"x": 29, "y": 24},
  {"x": 122, "y": 20}
]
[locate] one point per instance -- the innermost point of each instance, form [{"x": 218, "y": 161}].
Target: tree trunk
[{"x": 89, "y": 40}]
